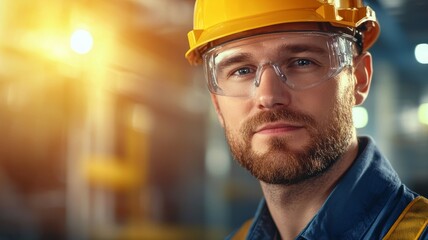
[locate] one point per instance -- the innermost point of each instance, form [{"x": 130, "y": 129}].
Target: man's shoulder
[{"x": 412, "y": 223}]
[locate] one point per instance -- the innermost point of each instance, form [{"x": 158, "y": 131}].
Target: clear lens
[{"x": 299, "y": 59}]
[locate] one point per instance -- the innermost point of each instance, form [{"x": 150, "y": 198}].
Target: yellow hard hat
[{"x": 215, "y": 19}]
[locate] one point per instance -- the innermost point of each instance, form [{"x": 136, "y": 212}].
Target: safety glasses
[{"x": 301, "y": 60}]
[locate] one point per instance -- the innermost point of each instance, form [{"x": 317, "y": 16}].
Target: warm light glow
[
  {"x": 423, "y": 113},
  {"x": 421, "y": 53},
  {"x": 81, "y": 41},
  {"x": 360, "y": 117}
]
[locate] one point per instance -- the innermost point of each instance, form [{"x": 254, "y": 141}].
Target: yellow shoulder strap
[
  {"x": 412, "y": 221},
  {"x": 242, "y": 232}
]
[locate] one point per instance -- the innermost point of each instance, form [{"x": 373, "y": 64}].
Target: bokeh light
[
  {"x": 81, "y": 41},
  {"x": 360, "y": 117},
  {"x": 423, "y": 113},
  {"x": 421, "y": 53}
]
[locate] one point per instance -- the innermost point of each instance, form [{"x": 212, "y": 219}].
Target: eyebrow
[
  {"x": 241, "y": 57},
  {"x": 300, "y": 48}
]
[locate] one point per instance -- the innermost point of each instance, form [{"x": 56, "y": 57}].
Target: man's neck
[{"x": 293, "y": 206}]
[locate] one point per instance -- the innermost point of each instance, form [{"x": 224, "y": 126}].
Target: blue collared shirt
[{"x": 363, "y": 205}]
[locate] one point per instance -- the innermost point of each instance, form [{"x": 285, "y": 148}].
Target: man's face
[{"x": 285, "y": 136}]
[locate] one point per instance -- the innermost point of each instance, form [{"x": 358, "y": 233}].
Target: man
[{"x": 284, "y": 76}]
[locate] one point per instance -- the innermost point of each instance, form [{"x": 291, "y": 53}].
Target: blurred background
[{"x": 108, "y": 133}]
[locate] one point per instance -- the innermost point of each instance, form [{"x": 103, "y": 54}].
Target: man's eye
[
  {"x": 303, "y": 62},
  {"x": 243, "y": 71}
]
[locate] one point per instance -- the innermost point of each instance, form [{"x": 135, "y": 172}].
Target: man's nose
[{"x": 271, "y": 90}]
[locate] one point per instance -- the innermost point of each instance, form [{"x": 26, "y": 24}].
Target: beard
[{"x": 281, "y": 164}]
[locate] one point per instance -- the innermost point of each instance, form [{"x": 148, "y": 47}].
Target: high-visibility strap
[
  {"x": 242, "y": 232},
  {"x": 412, "y": 221}
]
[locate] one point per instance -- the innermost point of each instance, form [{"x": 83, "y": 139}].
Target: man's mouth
[{"x": 277, "y": 128}]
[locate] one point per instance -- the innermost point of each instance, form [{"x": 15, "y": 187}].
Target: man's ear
[
  {"x": 363, "y": 71},
  {"x": 217, "y": 109}
]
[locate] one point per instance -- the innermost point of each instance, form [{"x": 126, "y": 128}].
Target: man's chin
[{"x": 286, "y": 169}]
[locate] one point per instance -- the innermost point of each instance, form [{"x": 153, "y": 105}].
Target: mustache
[{"x": 278, "y": 114}]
